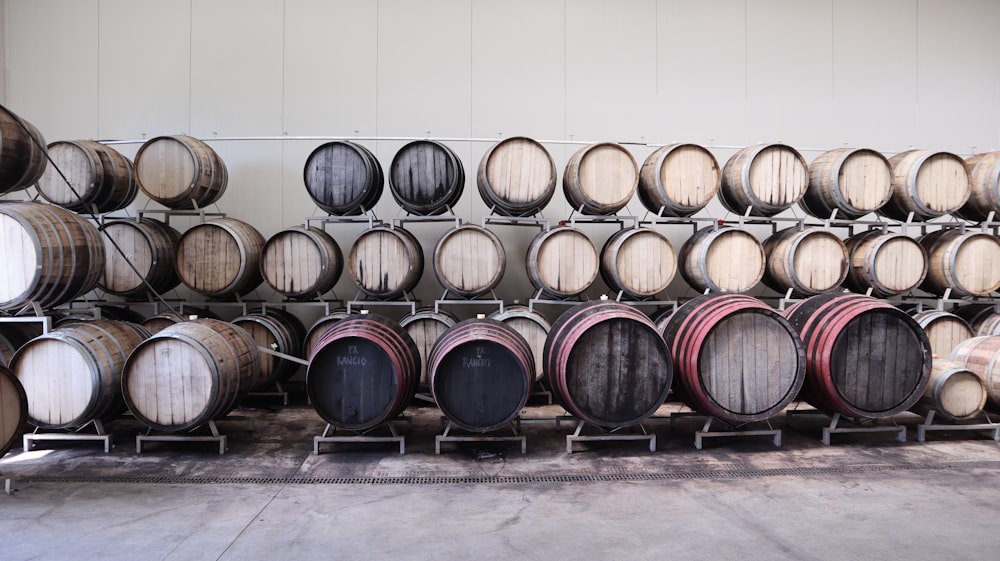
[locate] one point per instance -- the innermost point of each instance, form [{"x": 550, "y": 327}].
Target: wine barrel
[
  {"x": 954, "y": 392},
  {"x": 983, "y": 318},
  {"x": 158, "y": 322},
  {"x": 600, "y": 178},
  {"x": 480, "y": 373},
  {"x": 13, "y": 410},
  {"x": 767, "y": 178},
  {"x": 864, "y": 357},
  {"x": 425, "y": 325},
  {"x": 220, "y": 258},
  {"x": 810, "y": 261},
  {"x": 363, "y": 372},
  {"x": 22, "y": 152},
  {"x": 640, "y": 262},
  {"x": 531, "y": 325},
  {"x": 606, "y": 363},
  {"x": 50, "y": 255},
  {"x": 277, "y": 330},
  {"x": 147, "y": 262},
  {"x": 180, "y": 172},
  {"x": 72, "y": 375},
  {"x": 301, "y": 262},
  {"x": 516, "y": 177},
  {"x": 968, "y": 263},
  {"x": 735, "y": 358},
  {"x": 319, "y": 329},
  {"x": 214, "y": 361},
  {"x": 562, "y": 262},
  {"x": 944, "y": 330},
  {"x": 102, "y": 179},
  {"x": 722, "y": 259},
  {"x": 984, "y": 181},
  {"x": 426, "y": 177},
  {"x": 852, "y": 181},
  {"x": 680, "y": 179},
  {"x": 928, "y": 184},
  {"x": 469, "y": 260},
  {"x": 343, "y": 178},
  {"x": 14, "y": 335},
  {"x": 386, "y": 262},
  {"x": 981, "y": 355},
  {"x": 888, "y": 263}
]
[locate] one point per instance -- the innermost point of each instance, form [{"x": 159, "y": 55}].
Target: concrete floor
[{"x": 269, "y": 497}]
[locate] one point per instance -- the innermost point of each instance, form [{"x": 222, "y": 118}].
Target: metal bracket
[
  {"x": 608, "y": 436},
  {"x": 775, "y": 434},
  {"x": 29, "y": 440},
  {"x": 215, "y": 437},
  {"x": 365, "y": 436},
  {"x": 928, "y": 425},
  {"x": 833, "y": 429},
  {"x": 446, "y": 437}
]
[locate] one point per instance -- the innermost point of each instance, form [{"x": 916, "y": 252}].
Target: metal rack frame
[
  {"x": 216, "y": 436},
  {"x": 734, "y": 431},
  {"x": 607, "y": 436},
  {"x": 469, "y": 437},
  {"x": 928, "y": 425},
  {"x": 29, "y": 440},
  {"x": 365, "y": 436},
  {"x": 833, "y": 427}
]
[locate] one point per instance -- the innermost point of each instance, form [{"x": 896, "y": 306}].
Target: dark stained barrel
[
  {"x": 386, "y": 262},
  {"x": 301, "y": 262},
  {"x": 607, "y": 364},
  {"x": 769, "y": 178},
  {"x": 981, "y": 355},
  {"x": 102, "y": 179},
  {"x": 864, "y": 357},
  {"x": 363, "y": 372},
  {"x": 954, "y": 392},
  {"x": 736, "y": 358},
  {"x": 13, "y": 410},
  {"x": 810, "y": 261},
  {"x": 480, "y": 373},
  {"x": 22, "y": 152},
  {"x": 426, "y": 177},
  {"x": 147, "y": 246},
  {"x": 220, "y": 258},
  {"x": 425, "y": 326},
  {"x": 277, "y": 330},
  {"x": 516, "y": 177},
  {"x": 343, "y": 178},
  {"x": 680, "y": 179},
  {"x": 887, "y": 262}
]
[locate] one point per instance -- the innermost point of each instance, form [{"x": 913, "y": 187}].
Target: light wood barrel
[
  {"x": 426, "y": 177},
  {"x": 102, "y": 178},
  {"x": 14, "y": 335},
  {"x": 148, "y": 247},
  {"x": 216, "y": 362},
  {"x": 343, "y": 178},
  {"x": 469, "y": 260},
  {"x": 928, "y": 184},
  {"x": 13, "y": 410},
  {"x": 180, "y": 172},
  {"x": 809, "y": 261},
  {"x": 864, "y": 357},
  {"x": 220, "y": 258},
  {"x": 600, "y": 178},
  {"x": 531, "y": 325},
  {"x": 888, "y": 263},
  {"x": 425, "y": 326},
  {"x": 954, "y": 392},
  {"x": 722, "y": 259},
  {"x": 967, "y": 263},
  {"x": 480, "y": 373},
  {"x": 301, "y": 262},
  {"x": 319, "y": 329},
  {"x": 50, "y": 255},
  {"x": 607, "y": 364},
  {"x": 562, "y": 262},
  {"x": 944, "y": 330},
  {"x": 983, "y": 319},
  {"x": 22, "y": 152},
  {"x": 72, "y": 374},
  {"x": 852, "y": 181},
  {"x": 984, "y": 180},
  {"x": 681, "y": 179},
  {"x": 516, "y": 177},
  {"x": 277, "y": 330},
  {"x": 981, "y": 355},
  {"x": 718, "y": 343},
  {"x": 386, "y": 262},
  {"x": 363, "y": 372},
  {"x": 158, "y": 322},
  {"x": 768, "y": 177},
  {"x": 639, "y": 262}
]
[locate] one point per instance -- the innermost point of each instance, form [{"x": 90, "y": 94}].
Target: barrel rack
[
  {"x": 929, "y": 425},
  {"x": 733, "y": 431},
  {"x": 215, "y": 436},
  {"x": 859, "y": 425},
  {"x": 605, "y": 435},
  {"x": 446, "y": 436},
  {"x": 76, "y": 435},
  {"x": 366, "y": 436}
]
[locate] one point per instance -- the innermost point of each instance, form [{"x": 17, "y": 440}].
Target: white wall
[{"x": 816, "y": 74}]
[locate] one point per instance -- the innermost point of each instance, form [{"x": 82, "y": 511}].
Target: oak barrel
[
  {"x": 363, "y": 372},
  {"x": 162, "y": 320},
  {"x": 809, "y": 261},
  {"x": 768, "y": 178},
  {"x": 425, "y": 325},
  {"x": 928, "y": 184},
  {"x": 531, "y": 325},
  {"x": 72, "y": 375},
  {"x": 680, "y": 179},
  {"x": 562, "y": 262},
  {"x": 735, "y": 358},
  {"x": 480, "y": 373},
  {"x": 469, "y": 260},
  {"x": 984, "y": 181},
  {"x": 981, "y": 355},
  {"x": 944, "y": 330},
  {"x": 516, "y": 177},
  {"x": 954, "y": 392},
  {"x": 279, "y": 331},
  {"x": 386, "y": 262},
  {"x": 600, "y": 178},
  {"x": 864, "y": 357},
  {"x": 852, "y": 181},
  {"x": 639, "y": 262},
  {"x": 889, "y": 263},
  {"x": 722, "y": 259},
  {"x": 22, "y": 152},
  {"x": 180, "y": 172},
  {"x": 426, "y": 177},
  {"x": 319, "y": 328},
  {"x": 220, "y": 258},
  {"x": 13, "y": 410},
  {"x": 983, "y": 318},
  {"x": 50, "y": 255},
  {"x": 215, "y": 362},
  {"x": 343, "y": 178},
  {"x": 14, "y": 335},
  {"x": 146, "y": 262},
  {"x": 607, "y": 364},
  {"x": 102, "y": 179},
  {"x": 301, "y": 262},
  {"x": 966, "y": 262}
]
